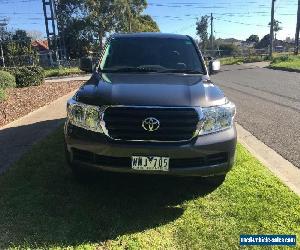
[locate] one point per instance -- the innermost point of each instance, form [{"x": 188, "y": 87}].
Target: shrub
[
  {"x": 229, "y": 49},
  {"x": 62, "y": 71},
  {"x": 11, "y": 70},
  {"x": 7, "y": 80},
  {"x": 29, "y": 76},
  {"x": 284, "y": 58}
]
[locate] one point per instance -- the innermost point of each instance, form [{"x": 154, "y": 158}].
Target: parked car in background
[{"x": 150, "y": 107}]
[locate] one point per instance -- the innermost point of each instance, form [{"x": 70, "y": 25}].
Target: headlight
[
  {"x": 217, "y": 118},
  {"x": 85, "y": 116}
]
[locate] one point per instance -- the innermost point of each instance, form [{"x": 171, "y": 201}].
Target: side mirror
[
  {"x": 214, "y": 66},
  {"x": 88, "y": 64},
  {"x": 208, "y": 58}
]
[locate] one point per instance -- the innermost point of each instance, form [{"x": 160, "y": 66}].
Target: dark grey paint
[
  {"x": 155, "y": 89},
  {"x": 224, "y": 141}
]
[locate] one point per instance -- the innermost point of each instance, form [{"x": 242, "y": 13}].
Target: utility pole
[
  {"x": 272, "y": 30},
  {"x": 211, "y": 31},
  {"x": 60, "y": 31},
  {"x": 129, "y": 23},
  {"x": 297, "y": 30},
  {"x": 49, "y": 8},
  {"x": 3, "y": 23}
]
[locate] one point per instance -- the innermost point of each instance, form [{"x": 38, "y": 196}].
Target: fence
[
  {"x": 247, "y": 52},
  {"x": 43, "y": 59}
]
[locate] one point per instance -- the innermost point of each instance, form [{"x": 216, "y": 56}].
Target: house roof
[{"x": 41, "y": 45}]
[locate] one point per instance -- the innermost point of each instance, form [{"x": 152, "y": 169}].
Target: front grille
[
  {"x": 176, "y": 124},
  {"x": 125, "y": 162}
]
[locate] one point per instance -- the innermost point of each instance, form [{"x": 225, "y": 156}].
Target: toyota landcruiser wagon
[{"x": 150, "y": 107}]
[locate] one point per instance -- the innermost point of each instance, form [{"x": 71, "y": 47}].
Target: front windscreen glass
[{"x": 151, "y": 54}]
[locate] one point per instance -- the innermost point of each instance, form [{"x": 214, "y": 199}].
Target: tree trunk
[
  {"x": 100, "y": 37},
  {"x": 100, "y": 40}
]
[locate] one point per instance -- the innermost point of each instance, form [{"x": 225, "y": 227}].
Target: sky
[{"x": 232, "y": 18}]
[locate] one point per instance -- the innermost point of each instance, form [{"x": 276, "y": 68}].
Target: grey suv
[{"x": 151, "y": 108}]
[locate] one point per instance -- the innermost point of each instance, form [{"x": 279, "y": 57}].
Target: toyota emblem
[{"x": 151, "y": 124}]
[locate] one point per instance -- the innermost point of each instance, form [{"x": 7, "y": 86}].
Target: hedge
[
  {"x": 27, "y": 76},
  {"x": 7, "y": 80}
]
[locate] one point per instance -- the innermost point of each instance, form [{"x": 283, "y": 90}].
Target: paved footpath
[
  {"x": 18, "y": 136},
  {"x": 68, "y": 78}
]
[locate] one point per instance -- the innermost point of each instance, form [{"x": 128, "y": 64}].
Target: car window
[{"x": 160, "y": 53}]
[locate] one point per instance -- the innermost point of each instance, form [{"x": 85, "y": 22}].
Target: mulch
[{"x": 21, "y": 101}]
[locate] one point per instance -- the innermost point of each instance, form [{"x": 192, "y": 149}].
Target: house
[
  {"x": 233, "y": 41},
  {"x": 245, "y": 44},
  {"x": 44, "y": 53}
]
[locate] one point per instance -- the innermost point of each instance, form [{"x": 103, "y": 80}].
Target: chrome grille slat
[{"x": 125, "y": 123}]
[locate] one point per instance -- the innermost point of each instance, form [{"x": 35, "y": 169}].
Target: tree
[
  {"x": 120, "y": 15},
  {"x": 276, "y": 27},
  {"x": 103, "y": 16},
  {"x": 253, "y": 39},
  {"x": 79, "y": 40},
  {"x": 145, "y": 23},
  {"x": 264, "y": 42},
  {"x": 21, "y": 38},
  {"x": 17, "y": 49},
  {"x": 229, "y": 49},
  {"x": 201, "y": 27},
  {"x": 95, "y": 19}
]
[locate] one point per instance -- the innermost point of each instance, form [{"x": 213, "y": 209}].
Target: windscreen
[{"x": 159, "y": 53}]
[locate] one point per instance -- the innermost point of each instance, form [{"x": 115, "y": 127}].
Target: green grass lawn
[
  {"x": 286, "y": 63},
  {"x": 240, "y": 60},
  {"x": 43, "y": 206},
  {"x": 231, "y": 60},
  {"x": 62, "y": 71}
]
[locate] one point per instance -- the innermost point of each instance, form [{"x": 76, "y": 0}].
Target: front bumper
[{"x": 206, "y": 155}]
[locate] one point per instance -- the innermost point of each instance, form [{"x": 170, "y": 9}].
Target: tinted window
[{"x": 169, "y": 53}]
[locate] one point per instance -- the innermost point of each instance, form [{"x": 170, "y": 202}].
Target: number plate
[{"x": 150, "y": 163}]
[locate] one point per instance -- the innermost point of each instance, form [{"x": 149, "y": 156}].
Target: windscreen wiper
[
  {"x": 129, "y": 69},
  {"x": 187, "y": 71}
]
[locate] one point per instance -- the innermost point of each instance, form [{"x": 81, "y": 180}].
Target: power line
[
  {"x": 21, "y": 13},
  {"x": 233, "y": 14},
  {"x": 17, "y": 1},
  {"x": 248, "y": 24},
  {"x": 215, "y": 5}
]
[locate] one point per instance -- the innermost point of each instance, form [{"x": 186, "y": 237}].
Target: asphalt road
[{"x": 268, "y": 105}]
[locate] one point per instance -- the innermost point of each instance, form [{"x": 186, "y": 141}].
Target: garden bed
[{"x": 21, "y": 101}]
